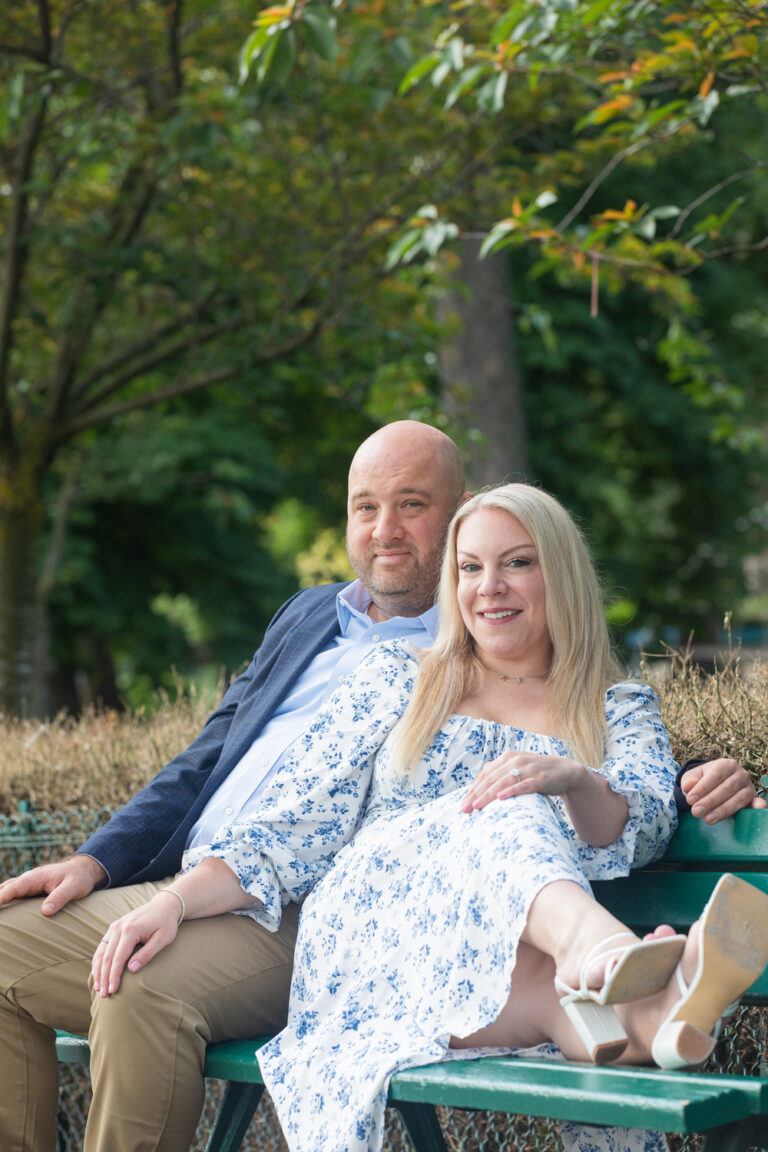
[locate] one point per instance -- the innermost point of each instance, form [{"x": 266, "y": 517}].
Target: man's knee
[
  {"x": 224, "y": 976},
  {"x": 23, "y": 942}
]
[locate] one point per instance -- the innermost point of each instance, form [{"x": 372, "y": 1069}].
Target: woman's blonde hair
[{"x": 582, "y": 662}]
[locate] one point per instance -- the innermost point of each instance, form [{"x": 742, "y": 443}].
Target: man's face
[{"x": 398, "y": 513}]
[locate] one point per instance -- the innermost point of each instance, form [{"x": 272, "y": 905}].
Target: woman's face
[{"x": 501, "y": 592}]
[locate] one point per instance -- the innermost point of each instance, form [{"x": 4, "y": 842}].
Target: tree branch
[
  {"x": 713, "y": 192},
  {"x": 140, "y": 347},
  {"x": 45, "y": 28},
  {"x": 174, "y": 45},
  {"x": 29, "y": 51},
  {"x": 74, "y": 427},
  {"x": 126, "y": 222},
  {"x": 731, "y": 250},
  {"x": 139, "y": 367},
  {"x": 16, "y": 254},
  {"x": 605, "y": 172}
]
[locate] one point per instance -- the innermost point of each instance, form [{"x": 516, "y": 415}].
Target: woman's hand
[
  {"x": 598, "y": 814},
  {"x": 153, "y": 926},
  {"x": 523, "y": 773}
]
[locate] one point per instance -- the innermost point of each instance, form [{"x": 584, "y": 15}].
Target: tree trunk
[
  {"x": 19, "y": 532},
  {"x": 479, "y": 369}
]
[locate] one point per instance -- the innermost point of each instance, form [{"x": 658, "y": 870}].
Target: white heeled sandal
[
  {"x": 631, "y": 972},
  {"x": 733, "y": 951}
]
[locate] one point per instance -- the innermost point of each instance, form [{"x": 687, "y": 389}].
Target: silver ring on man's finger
[
  {"x": 516, "y": 773},
  {"x": 105, "y": 939}
]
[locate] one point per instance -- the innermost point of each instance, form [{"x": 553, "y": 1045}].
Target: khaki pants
[{"x": 224, "y": 977}]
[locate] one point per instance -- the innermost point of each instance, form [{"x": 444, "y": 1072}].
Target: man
[{"x": 148, "y": 1042}]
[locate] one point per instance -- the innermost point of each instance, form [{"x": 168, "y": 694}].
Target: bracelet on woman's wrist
[{"x": 173, "y": 892}]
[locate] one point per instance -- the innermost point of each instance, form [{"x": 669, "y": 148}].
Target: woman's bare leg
[
  {"x": 564, "y": 923},
  {"x": 532, "y": 1014}
]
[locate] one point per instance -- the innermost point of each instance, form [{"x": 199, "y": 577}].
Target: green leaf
[
  {"x": 265, "y": 59},
  {"x": 490, "y": 98},
  {"x": 657, "y": 114},
  {"x": 251, "y": 49},
  {"x": 401, "y": 247},
  {"x": 645, "y": 227},
  {"x": 595, "y": 11},
  {"x": 283, "y": 56},
  {"x": 545, "y": 199},
  {"x": 716, "y": 221},
  {"x": 435, "y": 235},
  {"x": 319, "y": 29},
  {"x": 465, "y": 83},
  {"x": 440, "y": 73},
  {"x": 498, "y": 233},
  {"x": 665, "y": 212},
  {"x": 456, "y": 53},
  {"x": 418, "y": 71},
  {"x": 703, "y": 109},
  {"x": 504, "y": 25}
]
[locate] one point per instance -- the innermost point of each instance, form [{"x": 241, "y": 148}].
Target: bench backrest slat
[{"x": 737, "y": 844}]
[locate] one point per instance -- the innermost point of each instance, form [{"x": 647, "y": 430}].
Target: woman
[{"x": 449, "y": 813}]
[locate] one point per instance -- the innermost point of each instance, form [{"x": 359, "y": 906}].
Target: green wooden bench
[{"x": 730, "y": 1109}]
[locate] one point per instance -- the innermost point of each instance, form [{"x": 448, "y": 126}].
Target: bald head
[
  {"x": 405, "y": 482},
  {"x": 411, "y": 443}
]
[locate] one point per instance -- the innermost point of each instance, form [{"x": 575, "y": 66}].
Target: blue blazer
[{"x": 145, "y": 839}]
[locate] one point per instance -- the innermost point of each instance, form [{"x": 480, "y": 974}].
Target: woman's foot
[
  {"x": 617, "y": 969},
  {"x": 726, "y": 950},
  {"x": 621, "y": 967}
]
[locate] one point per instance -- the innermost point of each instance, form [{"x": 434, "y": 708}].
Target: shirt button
[
  {"x": 376, "y": 637},
  {"x": 229, "y": 811},
  {"x": 265, "y": 762}
]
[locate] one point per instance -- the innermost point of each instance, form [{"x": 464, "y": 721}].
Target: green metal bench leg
[
  {"x": 733, "y": 1137},
  {"x": 422, "y": 1126},
  {"x": 235, "y": 1113}
]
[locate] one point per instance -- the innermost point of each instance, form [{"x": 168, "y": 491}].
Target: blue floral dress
[{"x": 410, "y": 933}]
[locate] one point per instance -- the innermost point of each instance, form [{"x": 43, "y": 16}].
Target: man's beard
[{"x": 414, "y": 577}]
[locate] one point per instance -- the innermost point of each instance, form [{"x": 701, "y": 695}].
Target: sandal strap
[{"x": 601, "y": 952}]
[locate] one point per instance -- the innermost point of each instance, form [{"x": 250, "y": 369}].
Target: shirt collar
[{"x": 354, "y": 599}]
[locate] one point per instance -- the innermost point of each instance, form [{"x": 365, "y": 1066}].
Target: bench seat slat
[
  {"x": 634, "y": 1097},
  {"x": 638, "y": 1097}
]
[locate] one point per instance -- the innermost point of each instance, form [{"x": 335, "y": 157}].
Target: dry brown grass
[
  {"x": 102, "y": 758},
  {"x": 96, "y": 761},
  {"x": 717, "y": 713}
]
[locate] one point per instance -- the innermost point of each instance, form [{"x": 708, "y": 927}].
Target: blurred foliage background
[{"x": 232, "y": 246}]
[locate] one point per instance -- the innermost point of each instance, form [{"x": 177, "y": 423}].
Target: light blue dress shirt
[{"x": 358, "y": 635}]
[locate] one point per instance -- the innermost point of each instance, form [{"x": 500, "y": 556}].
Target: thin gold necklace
[{"x": 517, "y": 679}]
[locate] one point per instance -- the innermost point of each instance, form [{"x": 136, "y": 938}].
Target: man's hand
[
  {"x": 718, "y": 789},
  {"x": 69, "y": 879}
]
